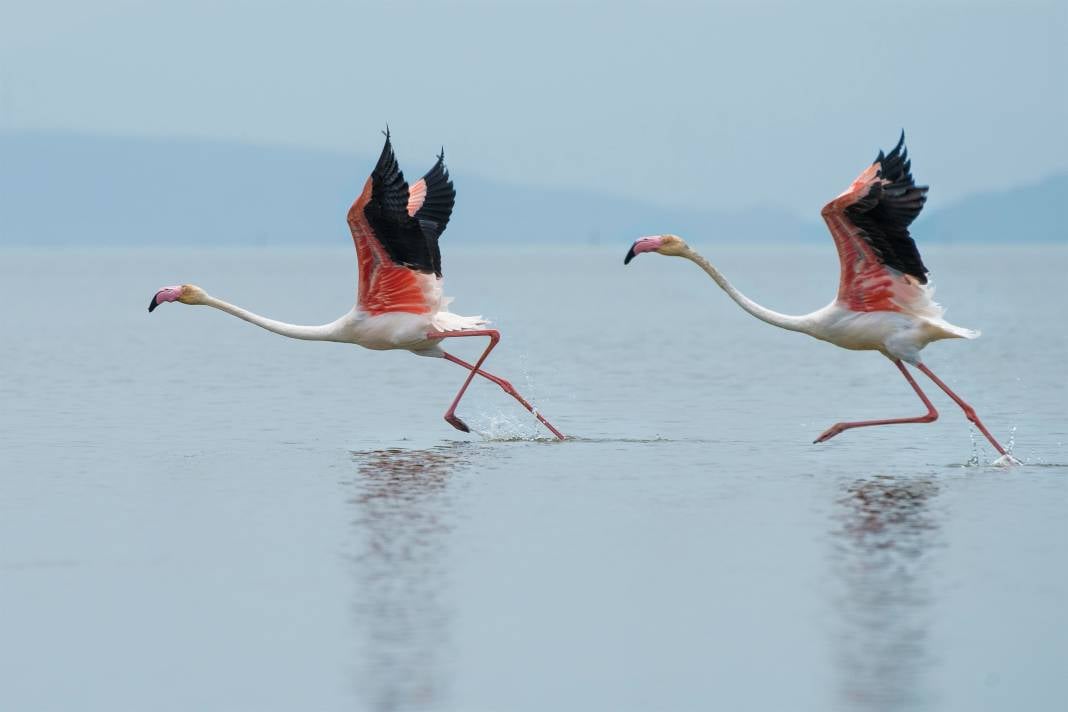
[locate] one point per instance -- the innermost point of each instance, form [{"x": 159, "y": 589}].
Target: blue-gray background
[
  {"x": 736, "y": 119},
  {"x": 196, "y": 514}
]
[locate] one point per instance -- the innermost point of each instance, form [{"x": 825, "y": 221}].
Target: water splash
[
  {"x": 504, "y": 427},
  {"x": 1008, "y": 460},
  {"x": 978, "y": 458},
  {"x": 974, "y": 460},
  {"x": 530, "y": 388}
]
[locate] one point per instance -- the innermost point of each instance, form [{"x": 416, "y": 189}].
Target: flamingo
[
  {"x": 399, "y": 302},
  {"x": 884, "y": 302}
]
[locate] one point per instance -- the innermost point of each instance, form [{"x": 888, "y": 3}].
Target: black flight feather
[
  {"x": 434, "y": 214},
  {"x": 885, "y": 213},
  {"x": 410, "y": 241}
]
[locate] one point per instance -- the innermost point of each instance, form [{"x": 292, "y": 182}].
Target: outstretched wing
[
  {"x": 430, "y": 202},
  {"x": 881, "y": 268},
  {"x": 400, "y": 265}
]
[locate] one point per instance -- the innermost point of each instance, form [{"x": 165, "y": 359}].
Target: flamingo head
[
  {"x": 671, "y": 245},
  {"x": 184, "y": 293}
]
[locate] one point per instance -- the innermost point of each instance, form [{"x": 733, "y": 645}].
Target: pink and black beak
[
  {"x": 167, "y": 294},
  {"x": 643, "y": 244}
]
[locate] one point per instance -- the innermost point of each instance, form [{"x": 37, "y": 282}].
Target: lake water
[{"x": 199, "y": 515}]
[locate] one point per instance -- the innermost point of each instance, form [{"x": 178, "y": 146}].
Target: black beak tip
[
  {"x": 630, "y": 255},
  {"x": 152, "y": 304}
]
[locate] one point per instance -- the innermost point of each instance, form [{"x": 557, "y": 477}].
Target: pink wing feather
[
  {"x": 395, "y": 229},
  {"x": 881, "y": 268},
  {"x": 416, "y": 196}
]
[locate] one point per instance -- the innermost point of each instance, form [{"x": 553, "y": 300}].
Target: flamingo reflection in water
[
  {"x": 886, "y": 531},
  {"x": 404, "y": 515}
]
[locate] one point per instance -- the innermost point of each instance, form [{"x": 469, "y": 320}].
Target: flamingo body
[
  {"x": 895, "y": 334},
  {"x": 401, "y": 330}
]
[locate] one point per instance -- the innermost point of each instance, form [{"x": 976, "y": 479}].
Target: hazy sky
[{"x": 729, "y": 105}]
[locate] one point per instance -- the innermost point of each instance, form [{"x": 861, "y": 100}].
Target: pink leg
[
  {"x": 495, "y": 336},
  {"x": 930, "y": 417},
  {"x": 969, "y": 412},
  {"x": 509, "y": 389}
]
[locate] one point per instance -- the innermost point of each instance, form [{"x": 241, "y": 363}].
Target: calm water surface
[{"x": 199, "y": 515}]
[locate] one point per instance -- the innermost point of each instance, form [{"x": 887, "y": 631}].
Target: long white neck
[
  {"x": 785, "y": 321},
  {"x": 324, "y": 332}
]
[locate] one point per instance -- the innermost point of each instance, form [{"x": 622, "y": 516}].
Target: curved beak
[
  {"x": 643, "y": 244},
  {"x": 167, "y": 294}
]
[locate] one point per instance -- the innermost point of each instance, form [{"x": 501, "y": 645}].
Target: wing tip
[
  {"x": 439, "y": 172},
  {"x": 895, "y": 166},
  {"x": 387, "y": 160}
]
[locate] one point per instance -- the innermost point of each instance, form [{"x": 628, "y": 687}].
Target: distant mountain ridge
[
  {"x": 75, "y": 190},
  {"x": 1032, "y": 213}
]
